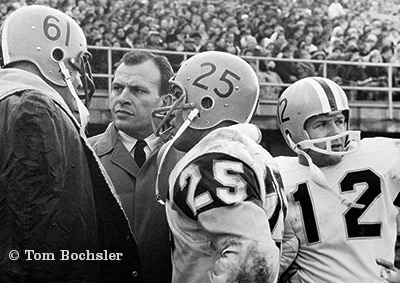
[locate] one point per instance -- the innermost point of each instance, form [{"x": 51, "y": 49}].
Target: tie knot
[
  {"x": 140, "y": 144},
  {"x": 139, "y": 154}
]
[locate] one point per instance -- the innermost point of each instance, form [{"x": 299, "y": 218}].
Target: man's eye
[
  {"x": 137, "y": 91},
  {"x": 116, "y": 88}
]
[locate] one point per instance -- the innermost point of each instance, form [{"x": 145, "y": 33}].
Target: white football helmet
[
  {"x": 52, "y": 41},
  {"x": 219, "y": 85},
  {"x": 310, "y": 97}
]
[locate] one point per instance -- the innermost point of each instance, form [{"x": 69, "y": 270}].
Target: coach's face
[{"x": 135, "y": 94}]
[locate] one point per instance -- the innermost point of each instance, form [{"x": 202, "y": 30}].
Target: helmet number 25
[
  {"x": 224, "y": 78},
  {"x": 53, "y": 32}
]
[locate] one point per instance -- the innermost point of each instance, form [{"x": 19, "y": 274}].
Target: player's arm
[
  {"x": 290, "y": 249},
  {"x": 226, "y": 201},
  {"x": 388, "y": 272}
]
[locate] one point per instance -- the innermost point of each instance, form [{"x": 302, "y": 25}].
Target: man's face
[
  {"x": 134, "y": 95},
  {"x": 323, "y": 126}
]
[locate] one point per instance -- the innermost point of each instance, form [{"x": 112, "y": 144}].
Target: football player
[
  {"x": 342, "y": 192},
  {"x": 56, "y": 199},
  {"x": 225, "y": 204}
]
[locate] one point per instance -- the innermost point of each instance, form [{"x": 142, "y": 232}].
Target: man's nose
[
  {"x": 335, "y": 129},
  {"x": 124, "y": 97}
]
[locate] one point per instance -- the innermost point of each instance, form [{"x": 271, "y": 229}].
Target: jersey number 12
[{"x": 354, "y": 229}]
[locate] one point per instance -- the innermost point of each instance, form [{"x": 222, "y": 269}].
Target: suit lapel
[{"x": 122, "y": 158}]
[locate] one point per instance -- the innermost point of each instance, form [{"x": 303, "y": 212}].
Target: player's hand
[{"x": 388, "y": 272}]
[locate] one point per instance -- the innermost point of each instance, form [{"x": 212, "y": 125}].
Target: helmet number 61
[{"x": 53, "y": 32}]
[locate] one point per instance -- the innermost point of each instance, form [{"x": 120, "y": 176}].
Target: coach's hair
[{"x": 137, "y": 57}]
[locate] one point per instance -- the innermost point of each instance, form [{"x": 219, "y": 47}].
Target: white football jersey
[
  {"x": 326, "y": 241},
  {"x": 226, "y": 185}
]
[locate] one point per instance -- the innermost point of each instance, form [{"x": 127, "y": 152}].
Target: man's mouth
[
  {"x": 123, "y": 112},
  {"x": 337, "y": 147}
]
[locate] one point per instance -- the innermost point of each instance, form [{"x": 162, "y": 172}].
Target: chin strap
[
  {"x": 181, "y": 129},
  {"x": 83, "y": 111}
]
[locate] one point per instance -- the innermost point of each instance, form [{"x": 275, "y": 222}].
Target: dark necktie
[{"x": 139, "y": 154}]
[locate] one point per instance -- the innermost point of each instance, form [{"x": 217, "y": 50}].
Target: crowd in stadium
[{"x": 345, "y": 30}]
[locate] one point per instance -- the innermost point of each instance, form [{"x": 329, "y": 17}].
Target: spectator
[
  {"x": 337, "y": 36},
  {"x": 143, "y": 33},
  {"x": 279, "y": 40},
  {"x": 220, "y": 44},
  {"x": 286, "y": 69},
  {"x": 309, "y": 46},
  {"x": 173, "y": 44},
  {"x": 116, "y": 53},
  {"x": 154, "y": 40},
  {"x": 377, "y": 76},
  {"x": 231, "y": 43},
  {"x": 320, "y": 56},
  {"x": 267, "y": 76},
  {"x": 130, "y": 37},
  {"x": 394, "y": 36},
  {"x": 120, "y": 36},
  {"x": 336, "y": 10},
  {"x": 99, "y": 64},
  {"x": 304, "y": 69},
  {"x": 209, "y": 46},
  {"x": 272, "y": 77},
  {"x": 387, "y": 53},
  {"x": 197, "y": 40},
  {"x": 252, "y": 47},
  {"x": 369, "y": 43},
  {"x": 140, "y": 85},
  {"x": 189, "y": 45}
]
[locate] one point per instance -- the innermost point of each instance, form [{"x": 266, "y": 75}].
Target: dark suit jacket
[{"x": 135, "y": 186}]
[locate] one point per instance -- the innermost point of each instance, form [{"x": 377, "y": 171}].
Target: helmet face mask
[
  {"x": 164, "y": 114},
  {"x": 349, "y": 136},
  {"x": 51, "y": 38},
  {"x": 85, "y": 74},
  {"x": 311, "y": 97},
  {"x": 221, "y": 86}
]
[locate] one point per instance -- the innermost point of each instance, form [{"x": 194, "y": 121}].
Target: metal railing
[{"x": 386, "y": 101}]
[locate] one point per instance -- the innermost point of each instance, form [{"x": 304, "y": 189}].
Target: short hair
[
  {"x": 253, "y": 267},
  {"x": 137, "y": 57}
]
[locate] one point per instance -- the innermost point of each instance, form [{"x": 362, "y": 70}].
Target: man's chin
[{"x": 122, "y": 125}]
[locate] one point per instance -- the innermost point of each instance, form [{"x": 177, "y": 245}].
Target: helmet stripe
[
  {"x": 328, "y": 95},
  {"x": 339, "y": 95}
]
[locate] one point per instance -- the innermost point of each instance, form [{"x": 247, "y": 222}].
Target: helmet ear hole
[
  {"x": 207, "y": 102},
  {"x": 57, "y": 54}
]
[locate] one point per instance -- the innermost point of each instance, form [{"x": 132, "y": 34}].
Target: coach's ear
[{"x": 167, "y": 99}]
